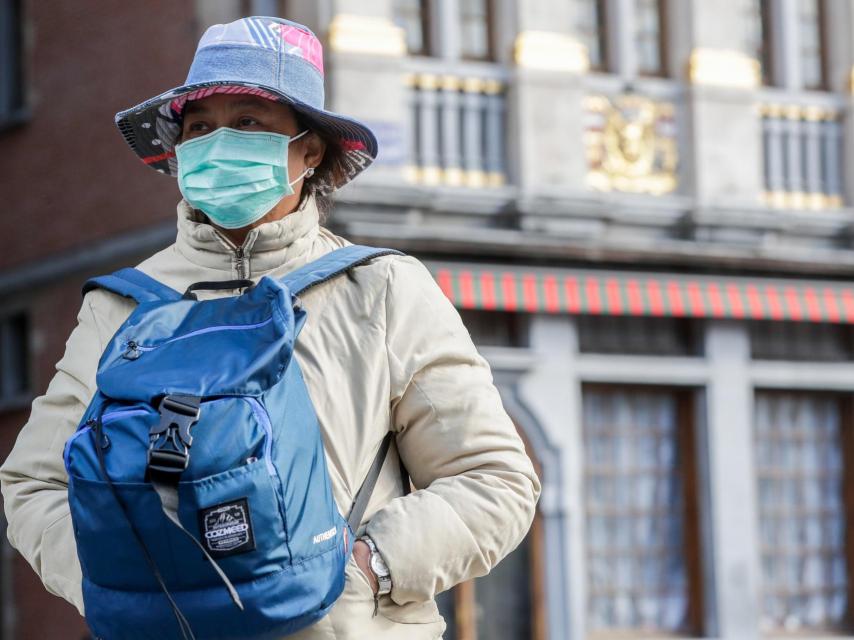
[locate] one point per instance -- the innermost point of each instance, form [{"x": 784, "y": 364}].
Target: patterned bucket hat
[{"x": 269, "y": 57}]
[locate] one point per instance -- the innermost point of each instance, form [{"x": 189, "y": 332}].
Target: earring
[{"x": 309, "y": 172}]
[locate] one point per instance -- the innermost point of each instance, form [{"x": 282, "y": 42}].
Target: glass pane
[
  {"x": 812, "y": 54},
  {"x": 802, "y": 526},
  {"x": 638, "y": 335},
  {"x": 813, "y": 341},
  {"x": 411, "y": 16},
  {"x": 590, "y": 27},
  {"x": 637, "y": 578},
  {"x": 648, "y": 33},
  {"x": 474, "y": 29}
]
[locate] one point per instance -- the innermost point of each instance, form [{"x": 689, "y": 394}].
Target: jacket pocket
[{"x": 410, "y": 613}]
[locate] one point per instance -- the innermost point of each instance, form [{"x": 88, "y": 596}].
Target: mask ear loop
[{"x": 309, "y": 170}]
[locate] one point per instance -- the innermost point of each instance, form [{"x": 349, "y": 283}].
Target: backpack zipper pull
[{"x": 132, "y": 352}]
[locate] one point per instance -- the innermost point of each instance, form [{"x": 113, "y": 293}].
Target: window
[
  {"x": 413, "y": 17},
  {"x": 475, "y": 29},
  {"x": 812, "y": 58},
  {"x": 590, "y": 25},
  {"x": 14, "y": 352},
  {"x": 638, "y": 336},
  {"x": 649, "y": 37},
  {"x": 800, "y": 443},
  {"x": 801, "y": 341},
  {"x": 642, "y": 528},
  {"x": 496, "y": 328},
  {"x": 758, "y": 34},
  {"x": 498, "y": 606},
  {"x": 502, "y": 605},
  {"x": 11, "y": 63}
]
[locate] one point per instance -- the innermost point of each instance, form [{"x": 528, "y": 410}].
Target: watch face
[{"x": 378, "y": 565}]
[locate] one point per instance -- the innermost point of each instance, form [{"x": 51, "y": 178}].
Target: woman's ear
[{"x": 315, "y": 147}]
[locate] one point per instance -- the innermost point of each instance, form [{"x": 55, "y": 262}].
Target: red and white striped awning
[{"x": 517, "y": 288}]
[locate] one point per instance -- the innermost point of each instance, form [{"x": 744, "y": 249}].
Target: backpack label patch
[{"x": 227, "y": 528}]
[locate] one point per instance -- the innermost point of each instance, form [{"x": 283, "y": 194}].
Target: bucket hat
[{"x": 269, "y": 57}]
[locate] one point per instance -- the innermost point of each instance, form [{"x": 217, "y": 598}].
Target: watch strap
[{"x": 384, "y": 580}]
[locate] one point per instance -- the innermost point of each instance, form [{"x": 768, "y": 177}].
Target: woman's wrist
[{"x": 362, "y": 553}]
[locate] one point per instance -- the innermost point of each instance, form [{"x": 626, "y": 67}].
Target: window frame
[
  {"x": 823, "y": 49},
  {"x": 845, "y": 403},
  {"x": 426, "y": 9},
  {"x": 491, "y": 49},
  {"x": 11, "y": 401},
  {"x": 601, "y": 30},
  {"x": 14, "y": 108},
  {"x": 767, "y": 52},
  {"x": 663, "y": 50},
  {"x": 687, "y": 435},
  {"x": 464, "y": 595}
]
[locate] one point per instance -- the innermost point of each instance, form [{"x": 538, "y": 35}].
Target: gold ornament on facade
[{"x": 631, "y": 145}]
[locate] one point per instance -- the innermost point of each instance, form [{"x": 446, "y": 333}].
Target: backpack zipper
[
  {"x": 133, "y": 349},
  {"x": 105, "y": 419},
  {"x": 262, "y": 417}
]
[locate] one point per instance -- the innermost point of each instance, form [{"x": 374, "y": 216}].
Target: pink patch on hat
[
  {"x": 303, "y": 45},
  {"x": 353, "y": 145},
  {"x": 178, "y": 103}
]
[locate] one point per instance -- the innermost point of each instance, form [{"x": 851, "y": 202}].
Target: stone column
[
  {"x": 552, "y": 391},
  {"x": 839, "y": 25},
  {"x": 365, "y": 79},
  {"x": 727, "y": 146},
  {"x": 545, "y": 100},
  {"x": 733, "y": 579}
]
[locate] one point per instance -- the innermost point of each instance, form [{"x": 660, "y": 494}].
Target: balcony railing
[
  {"x": 457, "y": 130},
  {"x": 802, "y": 152}
]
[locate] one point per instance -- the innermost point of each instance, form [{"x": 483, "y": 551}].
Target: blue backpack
[{"x": 197, "y": 478}]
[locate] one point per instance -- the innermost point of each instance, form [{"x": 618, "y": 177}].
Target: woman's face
[{"x": 251, "y": 113}]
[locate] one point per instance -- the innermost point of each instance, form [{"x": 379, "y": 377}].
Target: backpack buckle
[{"x": 170, "y": 439}]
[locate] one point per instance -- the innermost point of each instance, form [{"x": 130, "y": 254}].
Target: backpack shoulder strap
[
  {"x": 331, "y": 265},
  {"x": 132, "y": 283}
]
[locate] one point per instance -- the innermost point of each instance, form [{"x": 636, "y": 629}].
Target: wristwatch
[{"x": 379, "y": 567}]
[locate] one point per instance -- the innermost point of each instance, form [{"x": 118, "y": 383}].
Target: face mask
[{"x": 235, "y": 177}]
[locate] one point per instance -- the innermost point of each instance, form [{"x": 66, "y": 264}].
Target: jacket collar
[{"x": 267, "y": 246}]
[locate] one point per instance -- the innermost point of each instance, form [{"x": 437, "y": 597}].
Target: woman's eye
[
  {"x": 246, "y": 121},
  {"x": 196, "y": 126}
]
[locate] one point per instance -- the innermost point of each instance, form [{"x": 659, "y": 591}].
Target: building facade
[{"x": 641, "y": 208}]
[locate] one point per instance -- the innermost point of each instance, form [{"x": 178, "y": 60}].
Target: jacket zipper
[
  {"x": 240, "y": 255},
  {"x": 241, "y": 263}
]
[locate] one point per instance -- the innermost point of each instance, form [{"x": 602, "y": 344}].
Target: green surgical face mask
[{"x": 235, "y": 177}]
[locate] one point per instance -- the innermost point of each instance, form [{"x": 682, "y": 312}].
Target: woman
[{"x": 256, "y": 156}]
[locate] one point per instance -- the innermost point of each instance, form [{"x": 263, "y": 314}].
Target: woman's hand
[{"x": 362, "y": 553}]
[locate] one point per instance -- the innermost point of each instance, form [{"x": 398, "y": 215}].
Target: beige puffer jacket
[{"x": 382, "y": 349}]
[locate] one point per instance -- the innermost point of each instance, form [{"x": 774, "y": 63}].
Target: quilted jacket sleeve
[
  {"x": 476, "y": 487},
  {"x": 34, "y": 480}
]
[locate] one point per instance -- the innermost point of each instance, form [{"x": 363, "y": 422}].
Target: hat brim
[{"x": 151, "y": 128}]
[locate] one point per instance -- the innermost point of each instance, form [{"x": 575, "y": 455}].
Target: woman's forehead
[{"x": 222, "y": 102}]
